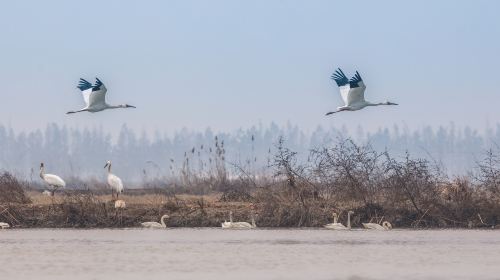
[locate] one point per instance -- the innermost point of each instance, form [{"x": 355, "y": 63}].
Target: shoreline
[{"x": 89, "y": 211}]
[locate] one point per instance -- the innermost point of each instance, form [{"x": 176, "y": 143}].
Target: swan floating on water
[
  {"x": 335, "y": 225},
  {"x": 155, "y": 224},
  {"x": 4, "y": 225},
  {"x": 238, "y": 225},
  {"x": 385, "y": 226},
  {"x": 338, "y": 226}
]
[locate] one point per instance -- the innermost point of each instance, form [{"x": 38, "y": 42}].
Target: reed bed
[{"x": 408, "y": 192}]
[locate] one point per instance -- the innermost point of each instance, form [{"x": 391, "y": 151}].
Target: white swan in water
[
  {"x": 155, "y": 224},
  {"x": 338, "y": 226},
  {"x": 238, "y": 225},
  {"x": 4, "y": 225},
  {"x": 335, "y": 224},
  {"x": 385, "y": 226}
]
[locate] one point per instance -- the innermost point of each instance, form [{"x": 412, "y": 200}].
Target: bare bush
[
  {"x": 411, "y": 181},
  {"x": 11, "y": 190},
  {"x": 349, "y": 171}
]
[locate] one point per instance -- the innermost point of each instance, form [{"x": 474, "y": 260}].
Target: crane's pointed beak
[
  {"x": 130, "y": 106},
  {"x": 106, "y": 165}
]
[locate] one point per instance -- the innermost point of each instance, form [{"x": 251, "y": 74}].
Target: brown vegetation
[{"x": 408, "y": 192}]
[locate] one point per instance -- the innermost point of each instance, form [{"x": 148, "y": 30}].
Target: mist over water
[{"x": 257, "y": 254}]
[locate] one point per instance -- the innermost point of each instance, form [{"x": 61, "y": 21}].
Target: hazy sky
[{"x": 230, "y": 64}]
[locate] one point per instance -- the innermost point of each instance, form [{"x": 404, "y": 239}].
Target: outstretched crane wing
[
  {"x": 98, "y": 94},
  {"x": 86, "y": 89},
  {"x": 343, "y": 83},
  {"x": 356, "y": 91}
]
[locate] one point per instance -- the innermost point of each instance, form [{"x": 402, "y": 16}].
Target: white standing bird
[
  {"x": 352, "y": 92},
  {"x": 238, "y": 225},
  {"x": 4, "y": 225},
  {"x": 55, "y": 182},
  {"x": 155, "y": 224},
  {"x": 385, "y": 226},
  {"x": 114, "y": 182},
  {"x": 95, "y": 97},
  {"x": 335, "y": 225}
]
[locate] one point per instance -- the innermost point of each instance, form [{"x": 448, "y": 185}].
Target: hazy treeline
[{"x": 137, "y": 157}]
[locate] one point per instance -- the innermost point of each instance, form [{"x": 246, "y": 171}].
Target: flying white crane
[
  {"x": 155, "y": 224},
  {"x": 114, "y": 182},
  {"x": 54, "y": 181},
  {"x": 95, "y": 97},
  {"x": 352, "y": 92}
]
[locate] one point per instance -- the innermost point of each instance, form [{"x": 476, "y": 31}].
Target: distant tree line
[{"x": 138, "y": 157}]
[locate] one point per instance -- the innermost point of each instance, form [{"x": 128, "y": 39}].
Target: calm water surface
[{"x": 252, "y": 254}]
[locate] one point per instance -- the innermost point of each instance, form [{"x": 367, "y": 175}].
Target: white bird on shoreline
[
  {"x": 385, "y": 226},
  {"x": 352, "y": 92},
  {"x": 238, "y": 225},
  {"x": 4, "y": 225},
  {"x": 335, "y": 225},
  {"x": 114, "y": 182},
  {"x": 155, "y": 224},
  {"x": 54, "y": 181},
  {"x": 95, "y": 97},
  {"x": 120, "y": 204}
]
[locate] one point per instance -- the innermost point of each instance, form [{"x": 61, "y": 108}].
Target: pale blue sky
[{"x": 230, "y": 64}]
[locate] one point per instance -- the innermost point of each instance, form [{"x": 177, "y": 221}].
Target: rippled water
[{"x": 252, "y": 254}]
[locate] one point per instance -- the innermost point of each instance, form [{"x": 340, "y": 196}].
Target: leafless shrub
[
  {"x": 349, "y": 171},
  {"x": 12, "y": 190},
  {"x": 488, "y": 173},
  {"x": 411, "y": 181}
]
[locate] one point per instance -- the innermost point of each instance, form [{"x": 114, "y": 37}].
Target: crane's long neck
[
  {"x": 253, "y": 222},
  {"x": 42, "y": 172},
  {"x": 348, "y": 220},
  {"x": 231, "y": 217},
  {"x": 335, "y": 218},
  {"x": 373, "y": 104},
  {"x": 162, "y": 220},
  {"x": 119, "y": 106},
  {"x": 115, "y": 106},
  {"x": 109, "y": 168},
  {"x": 377, "y": 104}
]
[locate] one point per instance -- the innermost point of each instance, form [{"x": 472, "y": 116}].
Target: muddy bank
[{"x": 90, "y": 211}]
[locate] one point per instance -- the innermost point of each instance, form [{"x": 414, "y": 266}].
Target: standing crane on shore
[
  {"x": 114, "y": 182},
  {"x": 55, "y": 182}
]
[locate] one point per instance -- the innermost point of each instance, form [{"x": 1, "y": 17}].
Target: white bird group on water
[
  {"x": 338, "y": 226},
  {"x": 238, "y": 225},
  {"x": 352, "y": 92}
]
